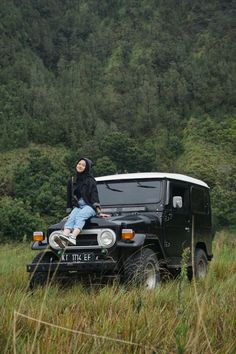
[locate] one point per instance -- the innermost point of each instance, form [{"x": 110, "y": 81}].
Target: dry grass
[{"x": 112, "y": 319}]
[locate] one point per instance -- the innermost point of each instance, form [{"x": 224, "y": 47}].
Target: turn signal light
[
  {"x": 127, "y": 234},
  {"x": 38, "y": 236}
]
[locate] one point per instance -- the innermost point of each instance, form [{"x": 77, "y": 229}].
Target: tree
[
  {"x": 41, "y": 183},
  {"x": 206, "y": 158},
  {"x": 105, "y": 166},
  {"x": 16, "y": 220},
  {"x": 122, "y": 150}
]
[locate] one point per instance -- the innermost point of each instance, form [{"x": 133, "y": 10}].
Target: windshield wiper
[
  {"x": 143, "y": 186},
  {"x": 112, "y": 189}
]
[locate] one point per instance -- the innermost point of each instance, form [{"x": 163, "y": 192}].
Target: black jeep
[{"x": 153, "y": 218}]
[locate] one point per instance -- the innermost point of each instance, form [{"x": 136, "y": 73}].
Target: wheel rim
[
  {"x": 202, "y": 269},
  {"x": 150, "y": 279}
]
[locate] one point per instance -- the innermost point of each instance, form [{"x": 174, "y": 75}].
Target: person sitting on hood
[{"x": 82, "y": 194}]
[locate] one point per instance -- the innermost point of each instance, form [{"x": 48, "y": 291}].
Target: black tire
[
  {"x": 142, "y": 269},
  {"x": 200, "y": 265},
  {"x": 39, "y": 279}
]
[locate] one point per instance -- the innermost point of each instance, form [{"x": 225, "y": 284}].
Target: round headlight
[{"x": 107, "y": 238}]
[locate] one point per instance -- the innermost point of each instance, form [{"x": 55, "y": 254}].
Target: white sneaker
[
  {"x": 70, "y": 239},
  {"x": 60, "y": 243}
]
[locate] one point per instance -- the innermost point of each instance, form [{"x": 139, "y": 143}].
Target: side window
[
  {"x": 200, "y": 201},
  {"x": 180, "y": 190}
]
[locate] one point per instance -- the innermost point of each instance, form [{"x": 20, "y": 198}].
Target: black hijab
[
  {"x": 83, "y": 185},
  {"x": 82, "y": 177}
]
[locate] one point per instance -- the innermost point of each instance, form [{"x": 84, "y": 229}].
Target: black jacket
[{"x": 88, "y": 191}]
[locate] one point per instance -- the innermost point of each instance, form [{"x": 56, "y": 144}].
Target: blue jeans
[{"x": 79, "y": 215}]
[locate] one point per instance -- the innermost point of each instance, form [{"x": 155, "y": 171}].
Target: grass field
[{"x": 178, "y": 317}]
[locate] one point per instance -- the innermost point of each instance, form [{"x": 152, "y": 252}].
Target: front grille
[{"x": 87, "y": 239}]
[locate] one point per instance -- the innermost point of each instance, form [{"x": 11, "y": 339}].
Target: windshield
[{"x": 129, "y": 192}]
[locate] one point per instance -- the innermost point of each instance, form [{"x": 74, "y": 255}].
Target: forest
[{"x": 135, "y": 85}]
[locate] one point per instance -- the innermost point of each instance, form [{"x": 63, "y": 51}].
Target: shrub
[{"x": 16, "y": 220}]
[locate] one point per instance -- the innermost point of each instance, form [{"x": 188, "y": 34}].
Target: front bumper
[
  {"x": 82, "y": 267},
  {"x": 138, "y": 241}
]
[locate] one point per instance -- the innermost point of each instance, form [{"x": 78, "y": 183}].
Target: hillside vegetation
[{"x": 134, "y": 85}]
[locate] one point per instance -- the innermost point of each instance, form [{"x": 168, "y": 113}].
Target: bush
[
  {"x": 41, "y": 182},
  {"x": 224, "y": 202},
  {"x": 104, "y": 166},
  {"x": 16, "y": 220}
]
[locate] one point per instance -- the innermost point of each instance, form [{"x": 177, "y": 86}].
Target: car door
[
  {"x": 201, "y": 209},
  {"x": 177, "y": 221}
]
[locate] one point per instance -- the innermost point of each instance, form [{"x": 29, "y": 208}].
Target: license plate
[{"x": 77, "y": 257}]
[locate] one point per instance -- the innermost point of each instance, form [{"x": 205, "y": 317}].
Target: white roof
[{"x": 146, "y": 175}]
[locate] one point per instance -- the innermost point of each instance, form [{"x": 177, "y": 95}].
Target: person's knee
[{"x": 85, "y": 214}]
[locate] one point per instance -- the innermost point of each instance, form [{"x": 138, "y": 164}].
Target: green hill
[{"x": 135, "y": 85}]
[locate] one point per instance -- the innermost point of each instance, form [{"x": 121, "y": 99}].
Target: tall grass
[{"x": 175, "y": 318}]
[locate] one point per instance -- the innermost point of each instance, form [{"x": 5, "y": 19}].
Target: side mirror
[{"x": 177, "y": 202}]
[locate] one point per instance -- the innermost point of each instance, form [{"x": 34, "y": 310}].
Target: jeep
[{"x": 153, "y": 218}]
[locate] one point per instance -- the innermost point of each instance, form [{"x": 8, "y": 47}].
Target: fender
[{"x": 137, "y": 241}]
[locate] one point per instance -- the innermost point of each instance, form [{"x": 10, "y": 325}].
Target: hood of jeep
[{"x": 130, "y": 220}]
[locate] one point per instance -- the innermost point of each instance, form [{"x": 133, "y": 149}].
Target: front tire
[
  {"x": 142, "y": 269},
  {"x": 39, "y": 279}
]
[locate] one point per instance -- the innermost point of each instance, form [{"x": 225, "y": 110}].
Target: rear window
[
  {"x": 200, "y": 201},
  {"x": 129, "y": 192}
]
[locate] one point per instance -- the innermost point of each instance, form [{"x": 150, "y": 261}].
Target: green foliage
[
  {"x": 41, "y": 183},
  {"x": 67, "y": 65},
  {"x": 122, "y": 150},
  {"x": 184, "y": 264},
  {"x": 126, "y": 153},
  {"x": 224, "y": 201},
  {"x": 16, "y": 220},
  {"x": 181, "y": 335},
  {"x": 209, "y": 154},
  {"x": 105, "y": 166},
  {"x": 119, "y": 82}
]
